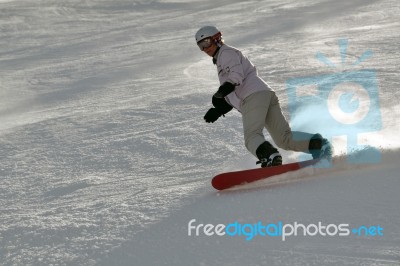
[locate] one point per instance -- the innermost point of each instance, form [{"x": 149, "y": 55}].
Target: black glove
[
  {"x": 221, "y": 104},
  {"x": 212, "y": 115},
  {"x": 224, "y": 90}
]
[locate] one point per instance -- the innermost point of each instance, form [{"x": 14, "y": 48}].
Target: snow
[{"x": 105, "y": 157}]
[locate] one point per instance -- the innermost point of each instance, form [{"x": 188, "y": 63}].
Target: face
[
  {"x": 211, "y": 50},
  {"x": 208, "y": 46}
]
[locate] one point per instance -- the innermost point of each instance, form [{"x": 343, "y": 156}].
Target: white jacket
[{"x": 237, "y": 69}]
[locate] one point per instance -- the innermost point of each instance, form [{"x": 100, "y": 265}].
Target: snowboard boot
[
  {"x": 320, "y": 147},
  {"x": 268, "y": 155}
]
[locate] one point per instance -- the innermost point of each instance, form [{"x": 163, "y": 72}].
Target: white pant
[{"x": 262, "y": 109}]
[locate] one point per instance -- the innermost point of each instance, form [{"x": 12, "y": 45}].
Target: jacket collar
[{"x": 215, "y": 56}]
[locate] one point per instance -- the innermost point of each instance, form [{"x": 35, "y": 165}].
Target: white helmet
[{"x": 206, "y": 32}]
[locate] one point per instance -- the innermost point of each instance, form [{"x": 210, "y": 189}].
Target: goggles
[{"x": 205, "y": 43}]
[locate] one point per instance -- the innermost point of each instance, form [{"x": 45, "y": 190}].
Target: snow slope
[{"x": 105, "y": 158}]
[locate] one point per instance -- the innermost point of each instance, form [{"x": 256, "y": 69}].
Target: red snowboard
[{"x": 231, "y": 179}]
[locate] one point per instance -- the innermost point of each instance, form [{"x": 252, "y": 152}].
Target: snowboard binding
[
  {"x": 268, "y": 155},
  {"x": 274, "y": 159},
  {"x": 320, "y": 147}
]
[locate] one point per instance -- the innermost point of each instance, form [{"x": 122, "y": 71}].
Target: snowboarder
[{"x": 241, "y": 88}]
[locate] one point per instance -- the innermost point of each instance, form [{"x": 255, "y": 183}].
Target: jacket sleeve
[{"x": 231, "y": 64}]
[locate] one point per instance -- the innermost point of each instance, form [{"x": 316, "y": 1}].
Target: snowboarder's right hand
[{"x": 212, "y": 115}]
